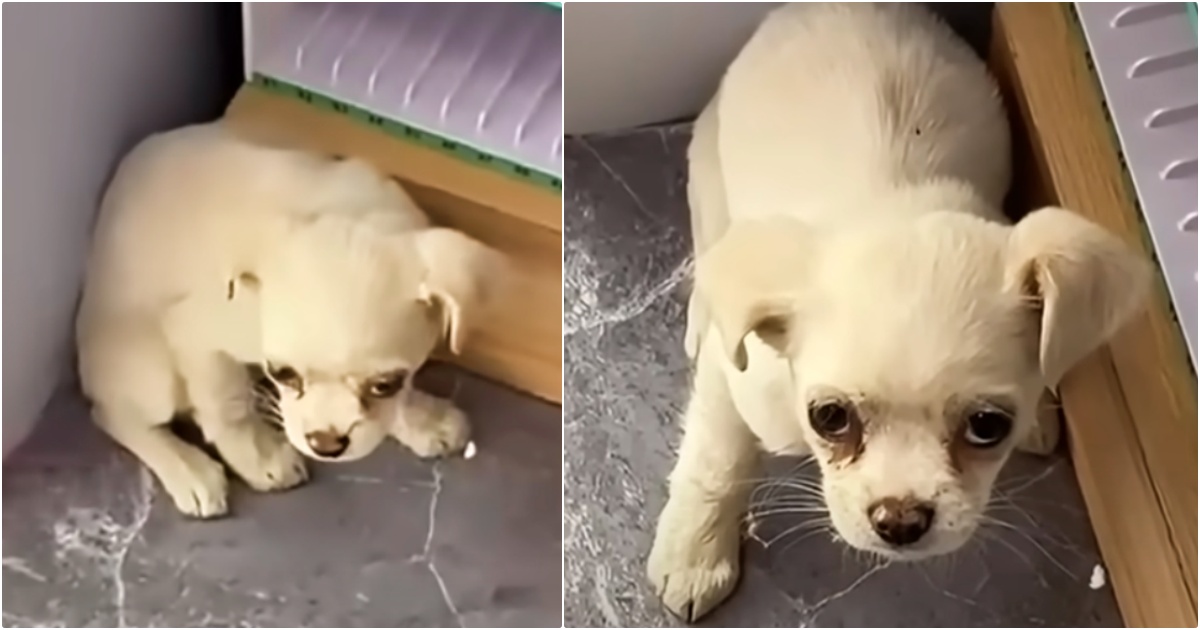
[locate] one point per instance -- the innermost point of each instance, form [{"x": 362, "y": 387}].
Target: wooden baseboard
[
  {"x": 1131, "y": 407},
  {"x": 521, "y": 345}
]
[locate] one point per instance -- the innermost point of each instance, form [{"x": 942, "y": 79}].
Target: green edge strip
[
  {"x": 1191, "y": 10},
  {"x": 403, "y": 131}
]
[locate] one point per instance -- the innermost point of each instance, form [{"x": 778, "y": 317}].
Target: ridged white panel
[
  {"x": 1145, "y": 55},
  {"x": 487, "y": 75}
]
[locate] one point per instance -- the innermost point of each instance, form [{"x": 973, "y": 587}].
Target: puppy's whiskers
[
  {"x": 811, "y": 527},
  {"x": 265, "y": 402},
  {"x": 789, "y": 495},
  {"x": 772, "y": 488},
  {"x": 998, "y": 524},
  {"x": 985, "y": 534},
  {"x": 1001, "y": 501},
  {"x": 777, "y": 510},
  {"x": 793, "y": 478}
]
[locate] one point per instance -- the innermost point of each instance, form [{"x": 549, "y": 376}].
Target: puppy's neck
[
  {"x": 333, "y": 197},
  {"x": 901, "y": 201},
  {"x": 941, "y": 194}
]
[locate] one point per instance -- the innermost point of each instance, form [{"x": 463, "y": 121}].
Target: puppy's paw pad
[
  {"x": 266, "y": 461},
  {"x": 284, "y": 469},
  {"x": 1043, "y": 439},
  {"x": 199, "y": 488},
  {"x": 447, "y": 435},
  {"x": 690, "y": 592},
  {"x": 280, "y": 467}
]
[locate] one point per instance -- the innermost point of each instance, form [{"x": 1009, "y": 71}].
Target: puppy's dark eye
[
  {"x": 987, "y": 428},
  {"x": 831, "y": 420},
  {"x": 387, "y": 386},
  {"x": 285, "y": 375}
]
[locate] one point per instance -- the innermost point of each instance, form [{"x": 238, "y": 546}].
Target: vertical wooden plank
[{"x": 1131, "y": 408}]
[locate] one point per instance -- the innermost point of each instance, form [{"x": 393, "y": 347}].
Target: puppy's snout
[
  {"x": 900, "y": 522},
  {"x": 327, "y": 443}
]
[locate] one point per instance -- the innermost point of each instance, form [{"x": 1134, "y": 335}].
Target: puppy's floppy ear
[
  {"x": 462, "y": 279},
  {"x": 1083, "y": 280},
  {"x": 750, "y": 280}
]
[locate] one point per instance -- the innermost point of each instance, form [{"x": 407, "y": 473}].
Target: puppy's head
[
  {"x": 350, "y": 311},
  {"x": 918, "y": 350}
]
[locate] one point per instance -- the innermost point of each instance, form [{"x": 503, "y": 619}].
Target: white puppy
[
  {"x": 859, "y": 295},
  {"x": 211, "y": 254}
]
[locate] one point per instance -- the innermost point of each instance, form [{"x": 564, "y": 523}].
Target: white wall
[
  {"x": 631, "y": 64},
  {"x": 82, "y": 83}
]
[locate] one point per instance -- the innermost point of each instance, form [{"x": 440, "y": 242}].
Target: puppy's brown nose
[
  {"x": 900, "y": 522},
  {"x": 327, "y": 443}
]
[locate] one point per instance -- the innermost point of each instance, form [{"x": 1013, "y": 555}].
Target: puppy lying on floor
[
  {"x": 212, "y": 253},
  {"x": 860, "y": 296}
]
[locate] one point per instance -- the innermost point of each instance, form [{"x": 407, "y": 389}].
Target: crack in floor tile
[
  {"x": 815, "y": 609},
  {"x": 426, "y": 556},
  {"x": 634, "y": 305},
  {"x": 94, "y": 534}
]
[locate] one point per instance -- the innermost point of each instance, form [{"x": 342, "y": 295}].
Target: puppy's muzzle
[
  {"x": 900, "y": 522},
  {"x": 327, "y": 443}
]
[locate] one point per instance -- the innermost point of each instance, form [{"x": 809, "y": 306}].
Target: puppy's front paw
[
  {"x": 445, "y": 432},
  {"x": 692, "y": 572},
  {"x": 263, "y": 458},
  {"x": 697, "y": 325},
  {"x": 198, "y": 486},
  {"x": 1043, "y": 439}
]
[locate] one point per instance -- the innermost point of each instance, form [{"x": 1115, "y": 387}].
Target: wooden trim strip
[
  {"x": 1116, "y": 480},
  {"x": 1131, "y": 408},
  {"x": 405, "y": 131},
  {"x": 330, "y": 132}
]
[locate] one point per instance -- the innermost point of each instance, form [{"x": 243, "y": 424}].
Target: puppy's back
[
  {"x": 165, "y": 219},
  {"x": 833, "y": 103},
  {"x": 191, "y": 207}
]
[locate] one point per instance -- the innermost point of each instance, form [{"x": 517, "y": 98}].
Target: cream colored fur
[
  {"x": 212, "y": 253},
  {"x": 846, "y": 190}
]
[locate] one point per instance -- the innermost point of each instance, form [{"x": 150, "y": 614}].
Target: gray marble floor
[
  {"x": 626, "y": 242},
  {"x": 89, "y": 541}
]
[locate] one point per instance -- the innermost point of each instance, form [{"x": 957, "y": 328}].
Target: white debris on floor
[
  {"x": 469, "y": 452},
  {"x": 1099, "y": 578}
]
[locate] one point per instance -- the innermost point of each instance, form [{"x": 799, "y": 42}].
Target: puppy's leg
[
  {"x": 195, "y": 482},
  {"x": 221, "y": 393},
  {"x": 697, "y": 324},
  {"x": 431, "y": 426},
  {"x": 694, "y": 563},
  {"x": 710, "y": 216},
  {"x": 1044, "y": 438},
  {"x": 128, "y": 375}
]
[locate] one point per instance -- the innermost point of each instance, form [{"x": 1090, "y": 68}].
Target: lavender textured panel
[
  {"x": 486, "y": 75},
  {"x": 1145, "y": 55}
]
